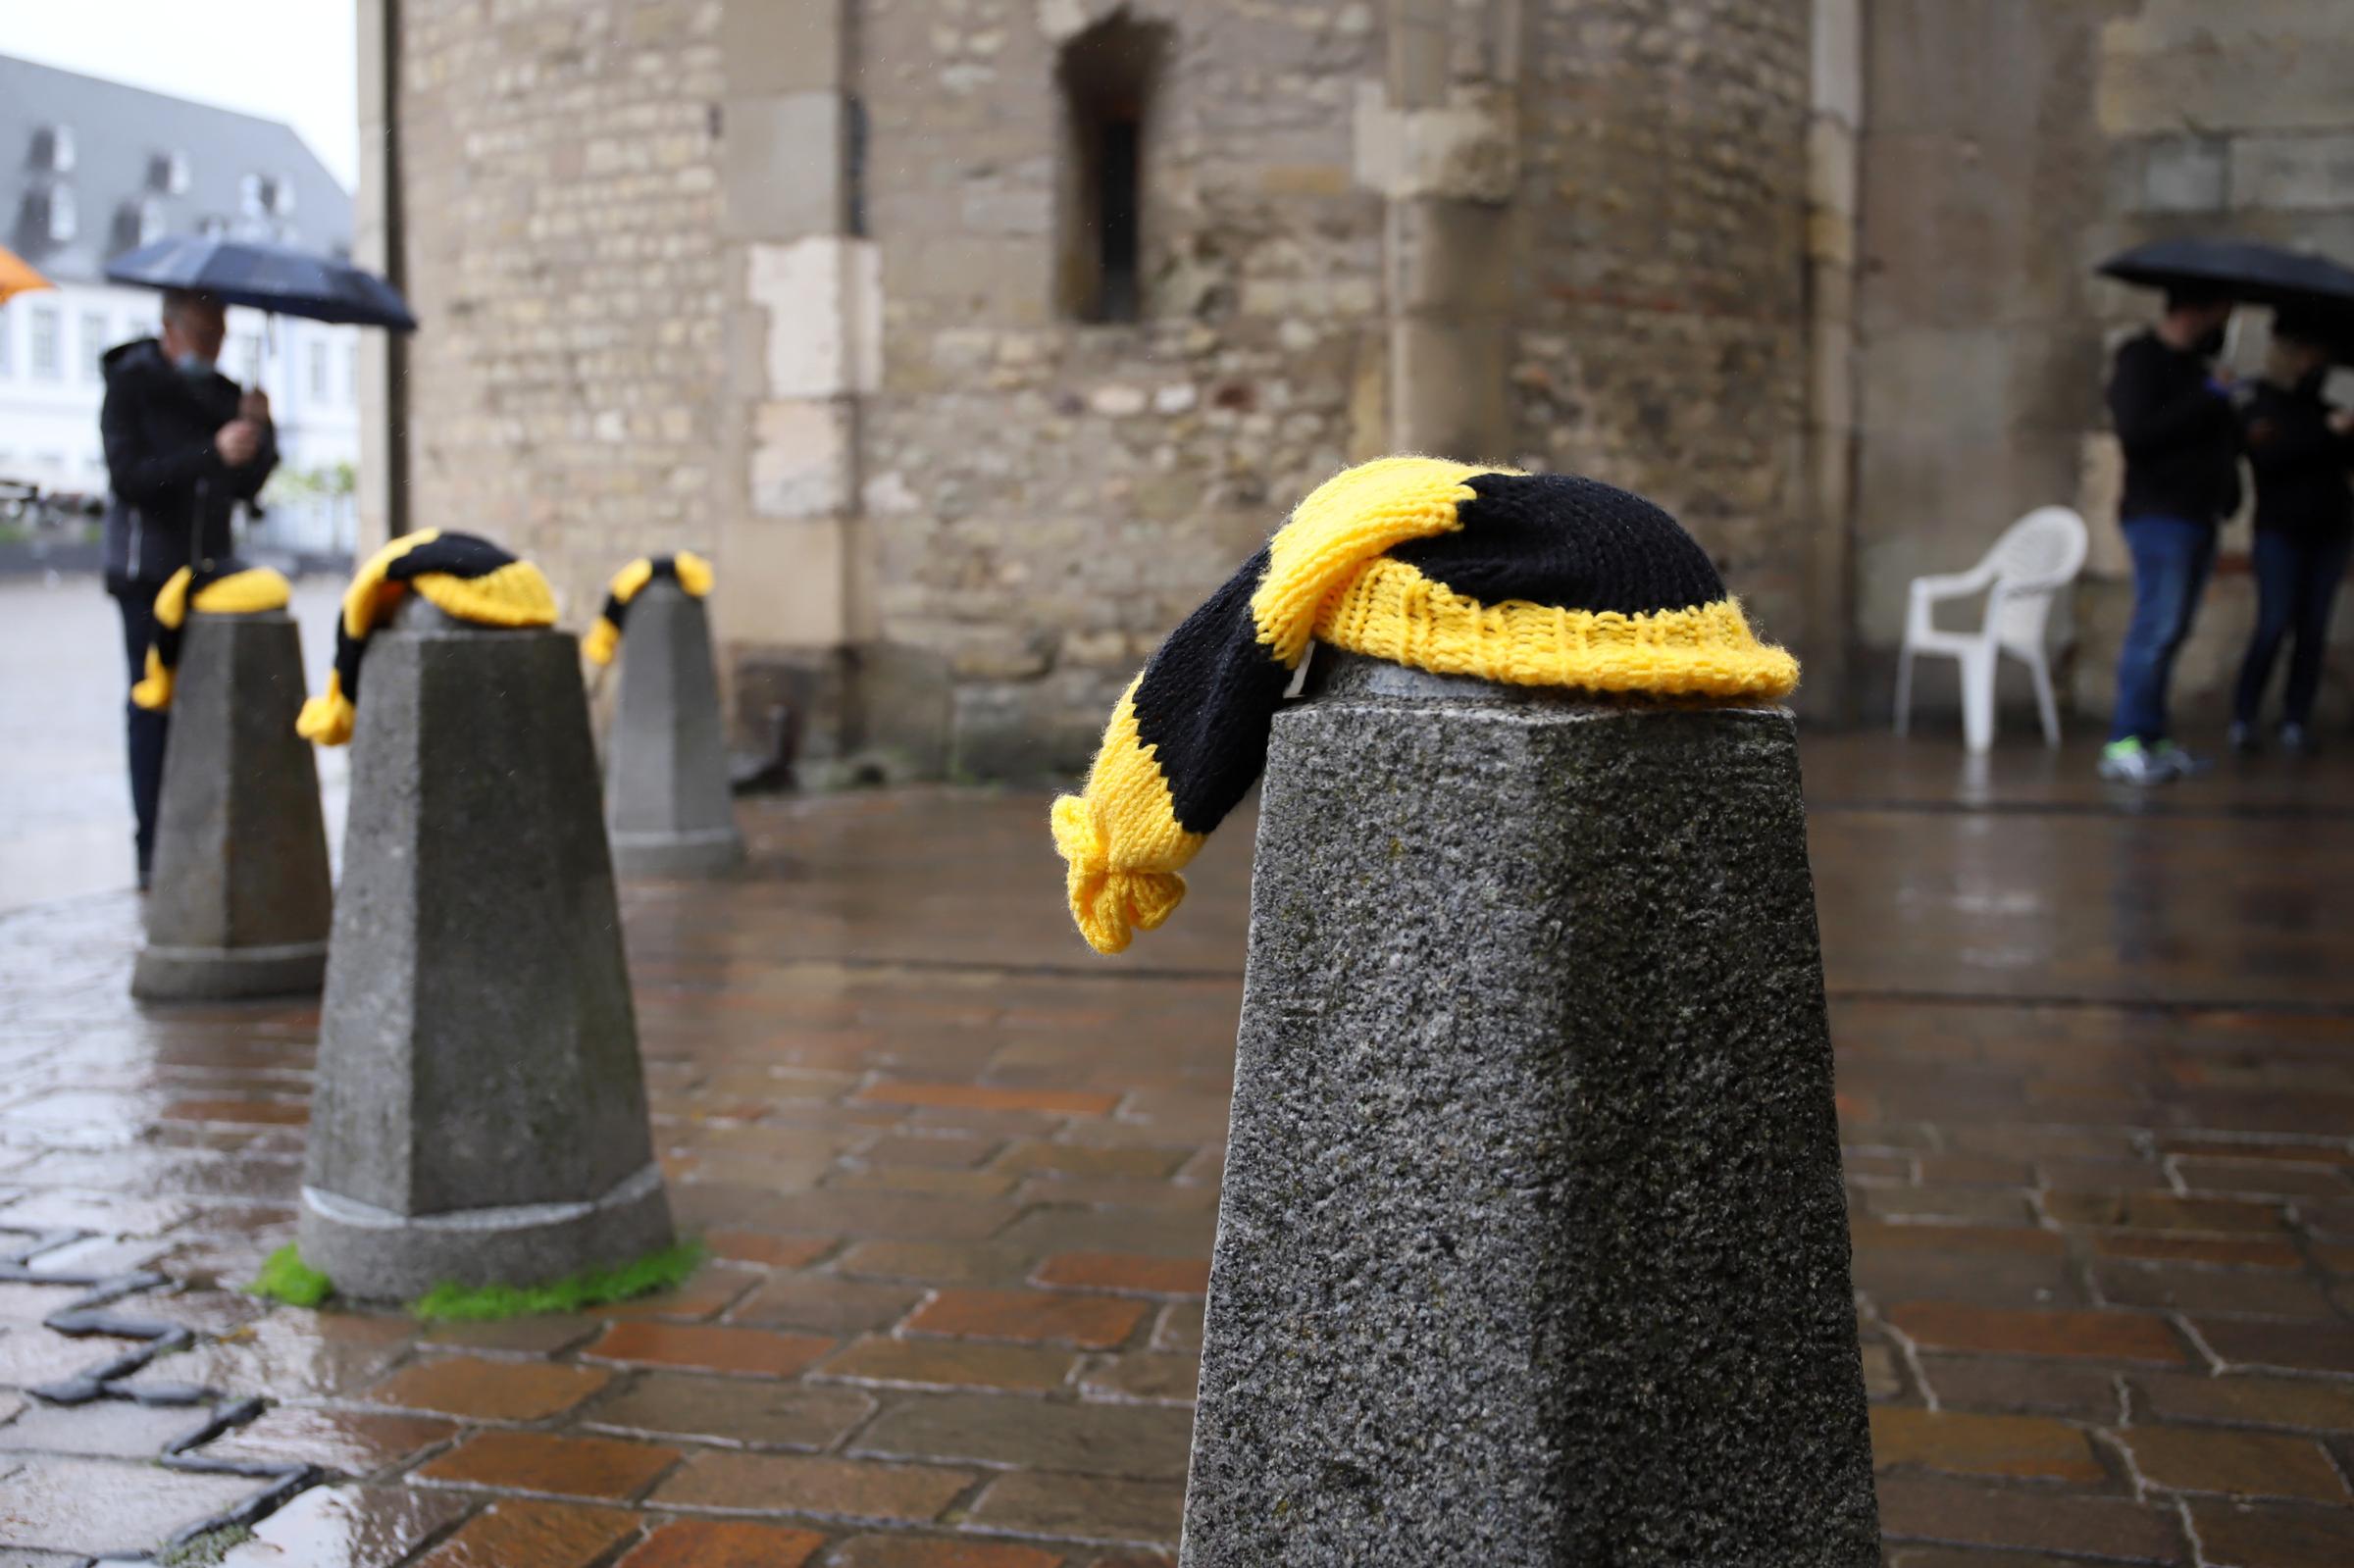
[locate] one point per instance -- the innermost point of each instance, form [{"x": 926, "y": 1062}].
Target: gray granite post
[
  {"x": 480, "y": 1114},
  {"x": 1532, "y": 1247},
  {"x": 241, "y": 898},
  {"x": 667, "y": 798}
]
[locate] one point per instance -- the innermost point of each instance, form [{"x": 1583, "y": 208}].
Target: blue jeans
[
  {"x": 2296, "y": 585},
  {"x": 2171, "y": 559}
]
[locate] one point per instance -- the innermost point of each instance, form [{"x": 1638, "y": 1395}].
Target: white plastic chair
[{"x": 2035, "y": 558}]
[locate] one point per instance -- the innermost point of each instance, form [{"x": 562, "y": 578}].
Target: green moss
[
  {"x": 656, "y": 1271},
  {"x": 207, "y": 1549},
  {"x": 285, "y": 1277}
]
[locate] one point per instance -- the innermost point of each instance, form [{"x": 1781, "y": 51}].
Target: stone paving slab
[{"x": 959, "y": 1179}]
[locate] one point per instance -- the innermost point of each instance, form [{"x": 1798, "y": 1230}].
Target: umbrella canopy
[
  {"x": 268, "y": 277},
  {"x": 2246, "y": 271},
  {"x": 17, "y": 277}
]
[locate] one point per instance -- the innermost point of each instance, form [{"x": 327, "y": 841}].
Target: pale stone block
[
  {"x": 802, "y": 458},
  {"x": 783, "y": 584},
  {"x": 783, "y": 45},
  {"x": 823, "y": 297},
  {"x": 1466, "y": 148},
  {"x": 2268, "y": 83},
  {"x": 1839, "y": 73},
  {"x": 2295, "y": 174},
  {"x": 781, "y": 167},
  {"x": 2183, "y": 175}
]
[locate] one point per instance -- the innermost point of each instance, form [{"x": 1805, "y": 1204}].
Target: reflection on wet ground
[{"x": 959, "y": 1179}]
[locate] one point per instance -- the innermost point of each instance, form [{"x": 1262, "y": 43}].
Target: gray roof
[{"x": 126, "y": 149}]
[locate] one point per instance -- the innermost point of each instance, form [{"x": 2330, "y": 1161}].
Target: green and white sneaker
[
  {"x": 2130, "y": 761},
  {"x": 2178, "y": 762}
]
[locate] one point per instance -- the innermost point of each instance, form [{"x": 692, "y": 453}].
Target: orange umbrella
[{"x": 16, "y": 277}]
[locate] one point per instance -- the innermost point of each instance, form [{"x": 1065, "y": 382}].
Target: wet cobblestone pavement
[{"x": 959, "y": 1179}]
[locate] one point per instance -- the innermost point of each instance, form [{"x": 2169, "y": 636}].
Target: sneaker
[
  {"x": 2295, "y": 742},
  {"x": 2178, "y": 762},
  {"x": 2243, "y": 739},
  {"x": 2130, "y": 761}
]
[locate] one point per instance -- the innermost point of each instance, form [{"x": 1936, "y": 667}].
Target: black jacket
[
  {"x": 2300, "y": 463},
  {"x": 166, "y": 480},
  {"x": 2180, "y": 434}
]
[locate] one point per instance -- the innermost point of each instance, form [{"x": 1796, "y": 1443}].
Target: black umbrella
[
  {"x": 2241, "y": 269},
  {"x": 268, "y": 277}
]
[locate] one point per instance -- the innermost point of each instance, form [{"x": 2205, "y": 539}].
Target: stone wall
[
  {"x": 559, "y": 239},
  {"x": 1047, "y": 496},
  {"x": 2010, "y": 145},
  {"x": 1660, "y": 293}
]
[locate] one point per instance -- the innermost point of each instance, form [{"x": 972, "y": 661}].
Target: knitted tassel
[{"x": 1449, "y": 566}]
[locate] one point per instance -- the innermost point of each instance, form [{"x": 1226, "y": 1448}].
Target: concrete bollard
[
  {"x": 667, "y": 796},
  {"x": 241, "y": 896},
  {"x": 1532, "y": 1246},
  {"x": 480, "y": 1113}
]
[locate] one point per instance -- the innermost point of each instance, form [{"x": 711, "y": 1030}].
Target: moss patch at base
[
  {"x": 656, "y": 1271},
  {"x": 285, "y": 1277}
]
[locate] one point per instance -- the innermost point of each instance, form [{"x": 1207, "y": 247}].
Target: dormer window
[
  {"x": 62, "y": 219},
  {"x": 53, "y": 149},
  {"x": 266, "y": 196},
  {"x": 168, "y": 172}
]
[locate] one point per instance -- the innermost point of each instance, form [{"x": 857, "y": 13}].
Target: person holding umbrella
[
  {"x": 2299, "y": 449},
  {"x": 183, "y": 445},
  {"x": 2176, "y": 421}
]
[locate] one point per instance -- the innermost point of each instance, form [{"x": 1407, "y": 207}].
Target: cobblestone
[{"x": 2144, "y": 1351}]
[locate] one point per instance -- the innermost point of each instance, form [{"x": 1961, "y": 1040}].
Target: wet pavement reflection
[{"x": 959, "y": 1177}]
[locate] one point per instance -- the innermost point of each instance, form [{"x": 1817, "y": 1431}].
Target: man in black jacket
[
  {"x": 183, "y": 445},
  {"x": 2300, "y": 449},
  {"x": 2182, "y": 440}
]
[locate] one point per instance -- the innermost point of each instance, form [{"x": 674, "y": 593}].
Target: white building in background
[{"x": 90, "y": 169}]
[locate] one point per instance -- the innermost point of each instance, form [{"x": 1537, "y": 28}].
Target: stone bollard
[
  {"x": 241, "y": 896},
  {"x": 481, "y": 1114},
  {"x": 1532, "y": 1245},
  {"x": 667, "y": 795}
]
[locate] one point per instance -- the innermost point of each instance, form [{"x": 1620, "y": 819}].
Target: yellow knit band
[
  {"x": 1127, "y": 804},
  {"x": 514, "y": 595},
  {"x": 1391, "y": 611}
]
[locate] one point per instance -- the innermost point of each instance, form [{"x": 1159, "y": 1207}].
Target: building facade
[
  {"x": 89, "y": 169},
  {"x": 979, "y": 340}
]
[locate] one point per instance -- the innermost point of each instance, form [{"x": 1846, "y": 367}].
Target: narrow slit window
[{"x": 1108, "y": 76}]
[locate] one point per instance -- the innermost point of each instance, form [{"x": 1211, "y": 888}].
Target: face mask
[{"x": 194, "y": 365}]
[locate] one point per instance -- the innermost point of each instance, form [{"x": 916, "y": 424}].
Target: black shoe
[
  {"x": 2243, "y": 739},
  {"x": 2295, "y": 742}
]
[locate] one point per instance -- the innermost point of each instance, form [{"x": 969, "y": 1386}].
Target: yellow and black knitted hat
[
  {"x": 217, "y": 587},
  {"x": 1539, "y": 579},
  {"x": 691, "y": 571},
  {"x": 466, "y": 577}
]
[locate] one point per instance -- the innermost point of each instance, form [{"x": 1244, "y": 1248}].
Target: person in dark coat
[
  {"x": 2182, "y": 440},
  {"x": 2300, "y": 450},
  {"x": 183, "y": 445}
]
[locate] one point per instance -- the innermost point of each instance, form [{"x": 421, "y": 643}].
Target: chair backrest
[{"x": 2046, "y": 546}]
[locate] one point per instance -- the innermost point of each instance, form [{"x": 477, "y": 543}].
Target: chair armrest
[
  {"x": 2032, "y": 588},
  {"x": 1954, "y": 585}
]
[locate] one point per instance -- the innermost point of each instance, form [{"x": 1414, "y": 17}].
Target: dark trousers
[
  {"x": 147, "y": 730},
  {"x": 2296, "y": 586},
  {"x": 2171, "y": 559}
]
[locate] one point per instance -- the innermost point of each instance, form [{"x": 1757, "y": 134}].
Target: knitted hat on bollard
[
  {"x": 466, "y": 577},
  {"x": 1533, "y": 580},
  {"x": 216, "y": 588},
  {"x": 691, "y": 571}
]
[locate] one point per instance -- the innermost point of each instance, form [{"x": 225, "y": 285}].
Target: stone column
[
  {"x": 667, "y": 798},
  {"x": 241, "y": 895},
  {"x": 480, "y": 1114},
  {"x": 1532, "y": 1246}
]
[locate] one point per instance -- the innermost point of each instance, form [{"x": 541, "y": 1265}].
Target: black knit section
[
  {"x": 457, "y": 555},
  {"x": 1206, "y": 700},
  {"x": 617, "y": 608},
  {"x": 1556, "y": 538}
]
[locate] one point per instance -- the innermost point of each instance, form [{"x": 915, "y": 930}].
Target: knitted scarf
[
  {"x": 214, "y": 588},
  {"x": 691, "y": 571},
  {"x": 1533, "y": 580},
  {"x": 466, "y": 577}
]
